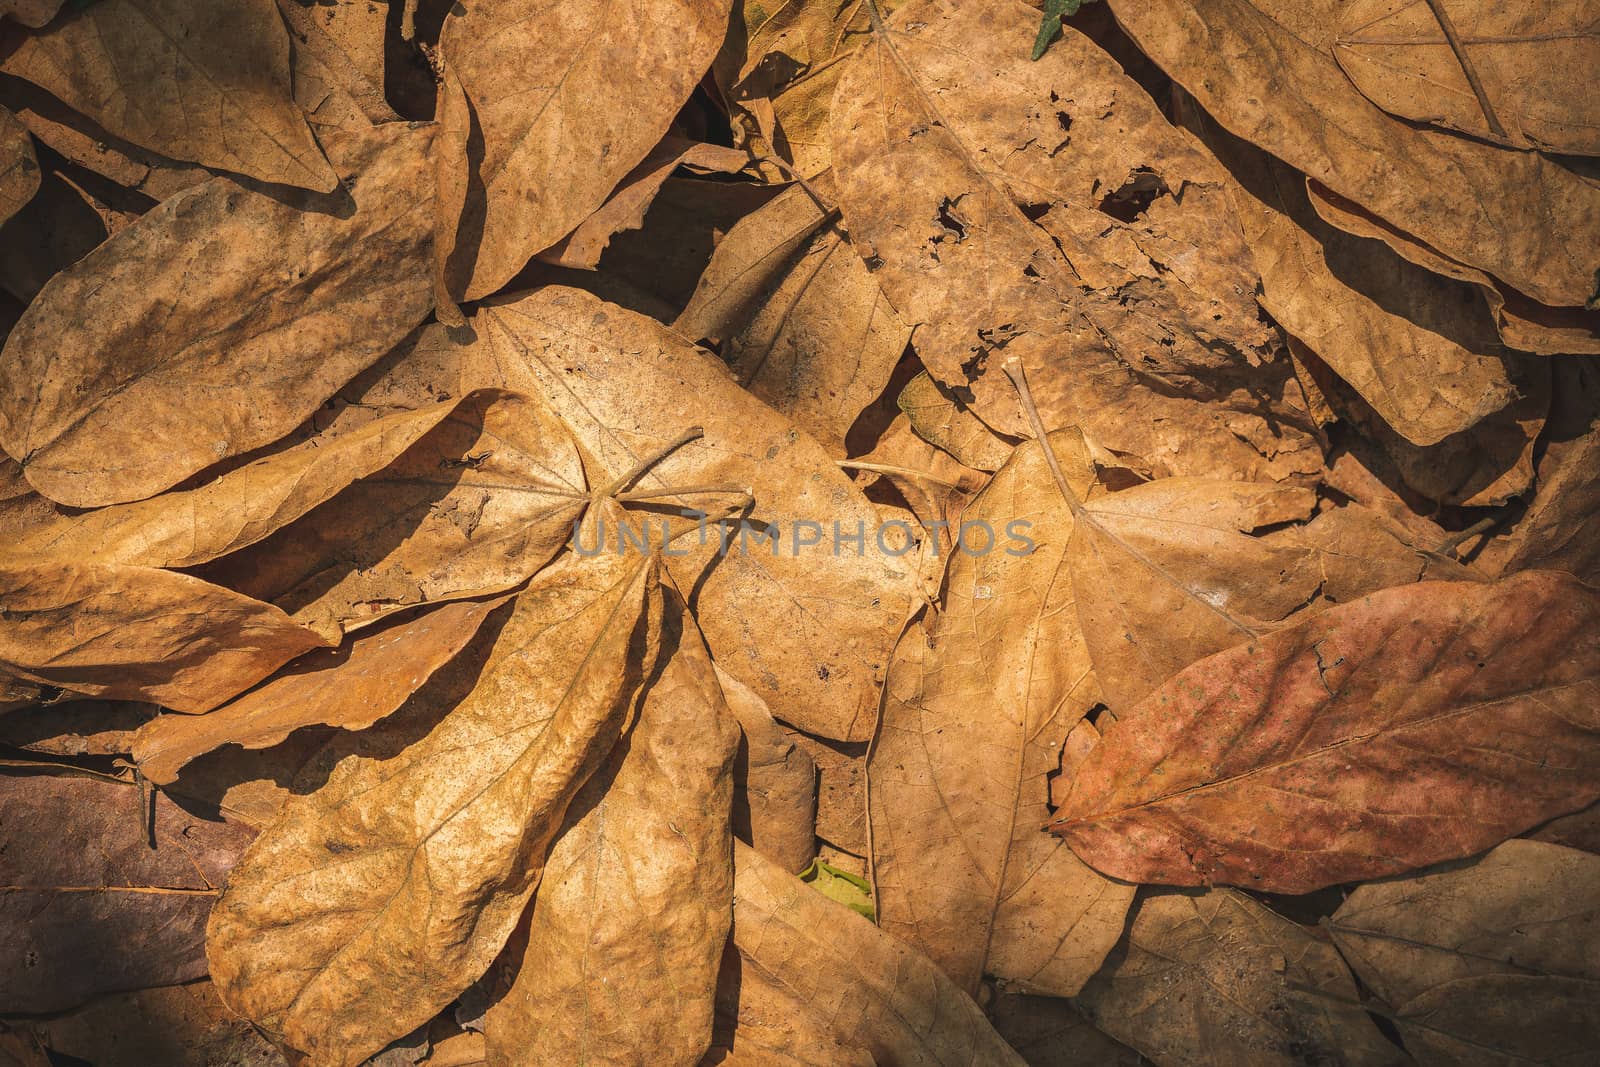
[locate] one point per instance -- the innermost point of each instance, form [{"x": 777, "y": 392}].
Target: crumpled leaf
[
  {"x": 774, "y": 782},
  {"x": 19, "y": 167},
  {"x": 1466, "y": 707},
  {"x": 530, "y": 142},
  {"x": 189, "y": 79},
  {"x": 1512, "y": 75},
  {"x": 626, "y": 386},
  {"x": 625, "y": 936},
  {"x": 1487, "y": 962},
  {"x": 802, "y": 323},
  {"x": 189, "y": 527},
  {"x": 1110, "y": 346},
  {"x": 1266, "y": 70},
  {"x": 980, "y": 698},
  {"x": 416, "y": 865},
  {"x": 1418, "y": 347},
  {"x": 1214, "y": 979},
  {"x": 350, "y": 687},
  {"x": 874, "y": 992},
  {"x": 626, "y": 207},
  {"x": 87, "y": 906},
  {"x": 474, "y": 507},
  {"x": 942, "y": 422},
  {"x": 150, "y": 359},
  {"x": 138, "y": 633}
]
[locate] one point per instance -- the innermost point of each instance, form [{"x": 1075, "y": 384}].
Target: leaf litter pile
[{"x": 815, "y": 532}]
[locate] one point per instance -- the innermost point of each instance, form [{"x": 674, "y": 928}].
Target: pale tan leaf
[
  {"x": 875, "y": 993},
  {"x": 980, "y": 698},
  {"x": 625, "y": 936},
  {"x": 1490, "y": 961},
  {"x": 189, "y": 79},
  {"x": 1266, "y": 70},
  {"x": 1516, "y": 75},
  {"x": 1140, "y": 363},
  {"x": 138, "y": 633},
  {"x": 774, "y": 781},
  {"x": 151, "y": 359},
  {"x": 87, "y": 905},
  {"x": 474, "y": 507},
  {"x": 1213, "y": 979},
  {"x": 351, "y": 687},
  {"x": 429, "y": 855},
  {"x": 545, "y": 107},
  {"x": 943, "y": 422}
]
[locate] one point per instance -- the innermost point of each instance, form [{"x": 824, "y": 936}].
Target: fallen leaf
[
  {"x": 1358, "y": 552},
  {"x": 1509, "y": 76},
  {"x": 78, "y": 727},
  {"x": 876, "y": 993},
  {"x": 938, "y": 217},
  {"x": 1487, "y": 962},
  {"x": 625, "y": 936},
  {"x": 1266, "y": 70},
  {"x": 943, "y": 422},
  {"x": 343, "y": 46},
  {"x": 1214, "y": 979},
  {"x": 475, "y": 506},
  {"x": 190, "y": 527},
  {"x": 759, "y": 1024},
  {"x": 623, "y": 385},
  {"x": 33, "y": 13},
  {"x": 176, "y": 1026},
  {"x": 802, "y": 323},
  {"x": 631, "y": 199},
  {"x": 429, "y": 855},
  {"x": 841, "y": 790},
  {"x": 935, "y": 486},
  {"x": 531, "y": 142},
  {"x": 841, "y": 887},
  {"x": 1580, "y": 830},
  {"x": 19, "y": 167},
  {"x": 351, "y": 687},
  {"x": 87, "y": 905},
  {"x": 144, "y": 363},
  {"x": 979, "y": 699},
  {"x": 1415, "y": 725},
  {"x": 189, "y": 80},
  {"x": 774, "y": 783},
  {"x": 138, "y": 633},
  {"x": 1050, "y": 1032},
  {"x": 1524, "y": 324},
  {"x": 1420, "y": 348}
]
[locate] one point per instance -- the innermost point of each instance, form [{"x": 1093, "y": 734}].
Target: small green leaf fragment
[
  {"x": 851, "y": 890},
  {"x": 1054, "y": 12}
]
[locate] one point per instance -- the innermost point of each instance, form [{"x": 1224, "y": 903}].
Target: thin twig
[{"x": 1460, "y": 49}]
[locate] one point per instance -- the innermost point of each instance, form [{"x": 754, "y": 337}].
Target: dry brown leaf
[
  {"x": 350, "y": 687},
  {"x": 778, "y": 70},
  {"x": 1138, "y": 362},
  {"x": 188, "y": 79},
  {"x": 1420, "y": 348},
  {"x": 980, "y": 698},
  {"x": 876, "y": 993},
  {"x": 801, "y": 321},
  {"x": 33, "y": 13},
  {"x": 1512, "y": 75},
  {"x": 1557, "y": 531},
  {"x": 188, "y": 338},
  {"x": 474, "y": 507},
  {"x": 190, "y": 527},
  {"x": 1415, "y": 725},
  {"x": 1358, "y": 552},
  {"x": 841, "y": 790},
  {"x": 945, "y": 423},
  {"x": 1266, "y": 70},
  {"x": 544, "y": 108},
  {"x": 1524, "y": 324},
  {"x": 19, "y": 167},
  {"x": 631, "y": 199},
  {"x": 175, "y": 1026},
  {"x": 78, "y": 727},
  {"x": 1214, "y": 979},
  {"x": 625, "y": 936},
  {"x": 626, "y": 386},
  {"x": 1166, "y": 573},
  {"x": 934, "y": 485},
  {"x": 1050, "y": 1032},
  {"x": 138, "y": 633},
  {"x": 759, "y": 1024},
  {"x": 1580, "y": 830},
  {"x": 340, "y": 48},
  {"x": 429, "y": 855},
  {"x": 1490, "y": 962},
  {"x": 774, "y": 782},
  {"x": 87, "y": 906}
]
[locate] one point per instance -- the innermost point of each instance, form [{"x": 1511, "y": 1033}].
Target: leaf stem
[
  {"x": 1019, "y": 378},
  {"x": 693, "y": 433}
]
